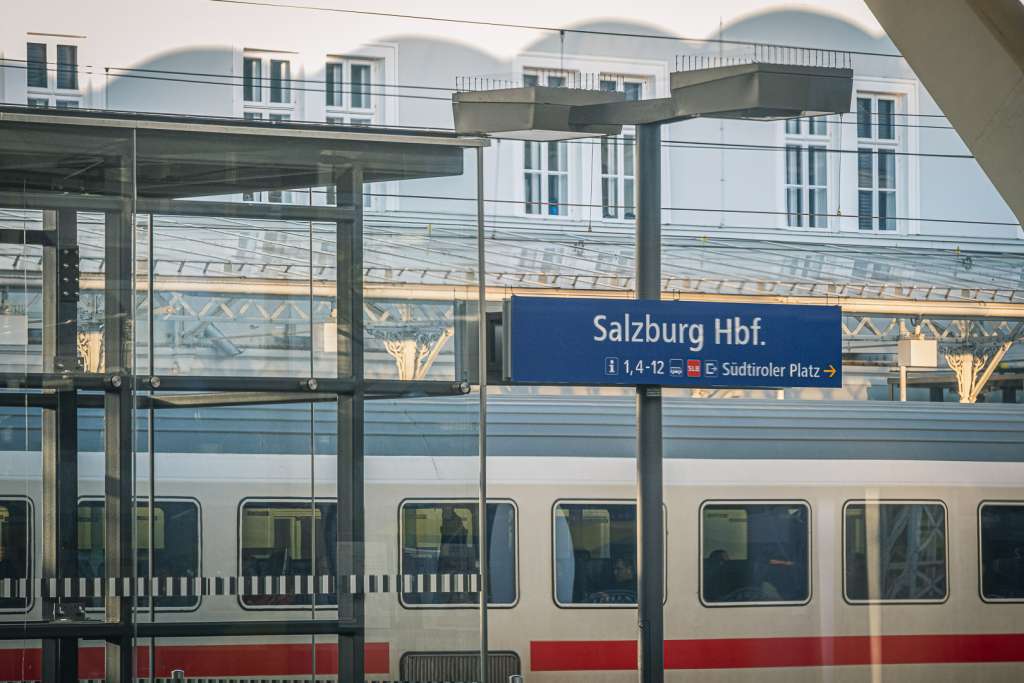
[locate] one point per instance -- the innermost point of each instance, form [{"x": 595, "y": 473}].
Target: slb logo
[{"x": 693, "y": 368}]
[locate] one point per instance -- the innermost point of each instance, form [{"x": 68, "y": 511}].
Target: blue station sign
[{"x": 672, "y": 343}]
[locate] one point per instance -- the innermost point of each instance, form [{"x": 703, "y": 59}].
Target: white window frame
[
  {"x": 894, "y": 501},
  {"x": 262, "y": 109},
  {"x": 804, "y": 135},
  {"x": 346, "y": 110},
  {"x": 540, "y": 153},
  {"x": 346, "y": 114},
  {"x": 878, "y": 145},
  {"x": 73, "y": 98},
  {"x": 908, "y": 196},
  {"x": 264, "y": 106},
  {"x": 442, "y": 501},
  {"x": 584, "y": 196},
  {"x": 623, "y": 175},
  {"x": 765, "y": 503}
]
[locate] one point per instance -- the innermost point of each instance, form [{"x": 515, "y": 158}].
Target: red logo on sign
[{"x": 693, "y": 368}]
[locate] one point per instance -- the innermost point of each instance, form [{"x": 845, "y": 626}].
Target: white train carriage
[{"x": 804, "y": 541}]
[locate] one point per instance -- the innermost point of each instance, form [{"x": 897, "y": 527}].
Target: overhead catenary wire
[
  {"x": 363, "y": 89},
  {"x": 547, "y": 29}
]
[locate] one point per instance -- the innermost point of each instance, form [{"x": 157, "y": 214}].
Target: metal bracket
[{"x": 68, "y": 274}]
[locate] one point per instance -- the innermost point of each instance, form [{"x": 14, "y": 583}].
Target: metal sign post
[{"x": 650, "y": 523}]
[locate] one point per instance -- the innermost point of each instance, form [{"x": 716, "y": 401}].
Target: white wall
[{"x": 201, "y": 44}]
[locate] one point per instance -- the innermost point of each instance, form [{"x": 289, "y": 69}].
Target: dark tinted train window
[
  {"x": 908, "y": 562},
  {"x": 175, "y": 551},
  {"x": 1002, "y": 551},
  {"x": 442, "y": 538},
  {"x": 755, "y": 553},
  {"x": 288, "y": 539},
  {"x": 595, "y": 553},
  {"x": 15, "y": 549}
]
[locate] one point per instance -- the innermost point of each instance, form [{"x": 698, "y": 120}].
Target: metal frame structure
[
  {"x": 131, "y": 184},
  {"x": 753, "y": 89}
]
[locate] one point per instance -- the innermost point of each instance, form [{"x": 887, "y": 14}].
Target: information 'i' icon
[{"x": 611, "y": 365}]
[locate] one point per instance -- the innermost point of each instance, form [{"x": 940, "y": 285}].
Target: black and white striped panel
[{"x": 192, "y": 586}]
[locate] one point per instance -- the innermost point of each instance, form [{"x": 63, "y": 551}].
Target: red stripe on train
[
  {"x": 205, "y": 661},
  {"x": 745, "y": 653}
]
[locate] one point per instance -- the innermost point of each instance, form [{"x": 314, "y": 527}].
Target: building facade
[{"x": 886, "y": 196}]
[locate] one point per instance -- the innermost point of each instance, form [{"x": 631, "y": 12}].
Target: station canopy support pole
[{"x": 650, "y": 520}]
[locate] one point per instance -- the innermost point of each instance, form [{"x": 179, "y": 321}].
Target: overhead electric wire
[
  {"x": 548, "y": 29},
  {"x": 696, "y": 209},
  {"x": 707, "y": 246},
  {"x": 397, "y": 95}
]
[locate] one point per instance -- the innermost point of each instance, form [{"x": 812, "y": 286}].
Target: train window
[
  {"x": 442, "y": 537},
  {"x": 175, "y": 549},
  {"x": 291, "y": 538},
  {"x": 755, "y": 553},
  {"x": 895, "y": 551},
  {"x": 1002, "y": 551},
  {"x": 15, "y": 551},
  {"x": 595, "y": 553}
]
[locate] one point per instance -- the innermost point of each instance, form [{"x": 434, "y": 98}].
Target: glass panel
[
  {"x": 609, "y": 155},
  {"x": 755, "y": 553},
  {"x": 818, "y": 125},
  {"x": 886, "y": 169},
  {"x": 793, "y": 126},
  {"x": 335, "y": 78},
  {"x": 1002, "y": 551},
  {"x": 531, "y": 155},
  {"x": 280, "y": 87},
  {"x": 628, "y": 164},
  {"x": 608, "y": 85},
  {"x": 36, "y": 65},
  {"x": 817, "y": 206},
  {"x": 895, "y": 551},
  {"x": 67, "y": 67},
  {"x": 67, "y": 104},
  {"x": 886, "y": 127},
  {"x": 252, "y": 84},
  {"x": 442, "y": 538},
  {"x": 175, "y": 551},
  {"x": 554, "y": 195},
  {"x": 794, "y": 207},
  {"x": 38, "y": 102},
  {"x": 886, "y": 210},
  {"x": 609, "y": 198},
  {"x": 556, "y": 156},
  {"x": 794, "y": 172},
  {"x": 361, "y": 86},
  {"x": 287, "y": 539},
  {"x": 595, "y": 553},
  {"x": 865, "y": 176},
  {"x": 817, "y": 166},
  {"x": 556, "y": 81},
  {"x": 634, "y": 91},
  {"x": 865, "y": 210},
  {"x": 531, "y": 80},
  {"x": 628, "y": 202},
  {"x": 864, "y": 117},
  {"x": 16, "y": 548},
  {"x": 531, "y": 187}
]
